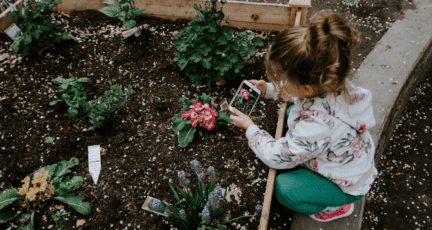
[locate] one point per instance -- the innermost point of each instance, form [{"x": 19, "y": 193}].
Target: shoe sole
[{"x": 341, "y": 216}]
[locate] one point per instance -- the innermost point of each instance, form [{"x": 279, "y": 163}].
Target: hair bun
[{"x": 325, "y": 25}]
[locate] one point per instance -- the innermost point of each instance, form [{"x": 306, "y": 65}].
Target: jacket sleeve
[
  {"x": 301, "y": 144},
  {"x": 273, "y": 93}
]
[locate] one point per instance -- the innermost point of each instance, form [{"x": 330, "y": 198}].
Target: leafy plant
[
  {"x": 208, "y": 49},
  {"x": 123, "y": 11},
  {"x": 47, "y": 182},
  {"x": 244, "y": 94},
  {"x": 198, "y": 112},
  {"x": 199, "y": 207},
  {"x": 37, "y": 31},
  {"x": 73, "y": 93}
]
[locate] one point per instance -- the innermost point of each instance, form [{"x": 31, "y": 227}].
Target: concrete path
[{"x": 391, "y": 71}]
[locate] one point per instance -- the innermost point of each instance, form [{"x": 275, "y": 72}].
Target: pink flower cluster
[
  {"x": 201, "y": 114},
  {"x": 244, "y": 93}
]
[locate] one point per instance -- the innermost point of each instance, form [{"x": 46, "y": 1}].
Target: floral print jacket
[{"x": 328, "y": 137}]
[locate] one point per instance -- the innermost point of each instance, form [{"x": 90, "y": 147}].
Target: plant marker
[
  {"x": 146, "y": 206},
  {"x": 12, "y": 30},
  {"x": 94, "y": 162}
]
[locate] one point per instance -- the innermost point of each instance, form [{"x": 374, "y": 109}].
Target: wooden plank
[
  {"x": 265, "y": 214},
  {"x": 303, "y": 16},
  {"x": 254, "y": 16},
  {"x": 7, "y": 21},
  {"x": 293, "y": 16},
  {"x": 300, "y": 3}
]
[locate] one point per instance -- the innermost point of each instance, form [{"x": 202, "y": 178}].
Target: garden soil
[{"x": 133, "y": 167}]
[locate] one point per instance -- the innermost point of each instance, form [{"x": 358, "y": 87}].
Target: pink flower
[
  {"x": 245, "y": 94},
  {"x": 206, "y": 106},
  {"x": 361, "y": 126},
  {"x": 194, "y": 123},
  {"x": 327, "y": 139},
  {"x": 357, "y": 146},
  {"x": 209, "y": 124},
  {"x": 185, "y": 115},
  {"x": 193, "y": 114},
  {"x": 356, "y": 97},
  {"x": 314, "y": 165},
  {"x": 207, "y": 115}
]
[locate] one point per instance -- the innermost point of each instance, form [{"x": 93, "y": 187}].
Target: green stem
[{"x": 240, "y": 217}]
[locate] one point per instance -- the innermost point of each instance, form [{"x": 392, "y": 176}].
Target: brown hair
[{"x": 316, "y": 54}]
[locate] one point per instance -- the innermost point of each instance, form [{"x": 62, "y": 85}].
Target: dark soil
[{"x": 133, "y": 167}]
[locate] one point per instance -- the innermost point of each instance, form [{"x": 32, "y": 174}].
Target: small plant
[
  {"x": 199, "y": 207},
  {"x": 49, "y": 140},
  {"x": 140, "y": 134},
  {"x": 49, "y": 182},
  {"x": 37, "y": 31},
  {"x": 244, "y": 94},
  {"x": 199, "y": 112},
  {"x": 209, "y": 49},
  {"x": 73, "y": 93},
  {"x": 123, "y": 11}
]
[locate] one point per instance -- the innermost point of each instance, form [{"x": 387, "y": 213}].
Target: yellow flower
[
  {"x": 44, "y": 173},
  {"x": 40, "y": 185},
  {"x": 23, "y": 191},
  {"x": 38, "y": 176},
  {"x": 51, "y": 189},
  {"x": 26, "y": 180},
  {"x": 31, "y": 194}
]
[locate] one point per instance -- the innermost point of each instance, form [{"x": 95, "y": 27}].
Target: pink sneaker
[{"x": 343, "y": 211}]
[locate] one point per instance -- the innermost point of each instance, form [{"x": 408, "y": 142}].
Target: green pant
[{"x": 307, "y": 192}]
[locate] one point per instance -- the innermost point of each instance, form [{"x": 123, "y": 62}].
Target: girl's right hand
[{"x": 261, "y": 85}]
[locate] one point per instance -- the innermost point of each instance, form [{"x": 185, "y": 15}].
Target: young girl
[{"x": 328, "y": 123}]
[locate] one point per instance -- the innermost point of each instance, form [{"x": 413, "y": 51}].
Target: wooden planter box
[{"x": 253, "y": 16}]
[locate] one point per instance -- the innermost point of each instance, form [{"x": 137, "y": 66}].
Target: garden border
[{"x": 253, "y": 16}]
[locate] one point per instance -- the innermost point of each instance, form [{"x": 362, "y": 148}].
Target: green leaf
[
  {"x": 136, "y": 12},
  {"x": 185, "y": 103},
  {"x": 206, "y": 135},
  {"x": 24, "y": 217},
  {"x": 257, "y": 42},
  {"x": 249, "y": 36},
  {"x": 233, "y": 58},
  {"x": 124, "y": 8},
  {"x": 251, "y": 51},
  {"x": 222, "y": 49},
  {"x": 60, "y": 222},
  {"x": 54, "y": 102},
  {"x": 224, "y": 117},
  {"x": 9, "y": 197},
  {"x": 182, "y": 45},
  {"x": 129, "y": 23},
  {"x": 15, "y": 46},
  {"x": 182, "y": 63},
  {"x": 195, "y": 57},
  {"x": 205, "y": 62},
  {"x": 62, "y": 168},
  {"x": 227, "y": 32},
  {"x": 213, "y": 28},
  {"x": 110, "y": 11},
  {"x": 186, "y": 135},
  {"x": 109, "y": 1},
  {"x": 28, "y": 39},
  {"x": 6, "y": 216},
  {"x": 29, "y": 225},
  {"x": 67, "y": 185},
  {"x": 75, "y": 202},
  {"x": 206, "y": 98},
  {"x": 178, "y": 125}
]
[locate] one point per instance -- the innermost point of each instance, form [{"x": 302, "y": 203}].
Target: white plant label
[
  {"x": 94, "y": 159},
  {"x": 12, "y": 30}
]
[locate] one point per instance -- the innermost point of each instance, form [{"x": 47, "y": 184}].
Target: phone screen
[{"x": 245, "y": 99}]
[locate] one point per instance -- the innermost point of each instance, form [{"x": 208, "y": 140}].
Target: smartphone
[{"x": 246, "y": 97}]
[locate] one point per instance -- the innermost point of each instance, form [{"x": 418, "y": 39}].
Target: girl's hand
[
  {"x": 261, "y": 85},
  {"x": 239, "y": 119}
]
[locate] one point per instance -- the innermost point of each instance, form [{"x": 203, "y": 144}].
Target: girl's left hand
[{"x": 240, "y": 120}]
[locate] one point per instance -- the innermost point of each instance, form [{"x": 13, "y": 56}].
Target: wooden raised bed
[{"x": 253, "y": 16}]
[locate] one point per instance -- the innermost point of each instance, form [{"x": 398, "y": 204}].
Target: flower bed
[{"x": 141, "y": 151}]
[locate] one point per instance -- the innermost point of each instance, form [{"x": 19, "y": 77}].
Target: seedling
[
  {"x": 49, "y": 140},
  {"x": 123, "y": 11}
]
